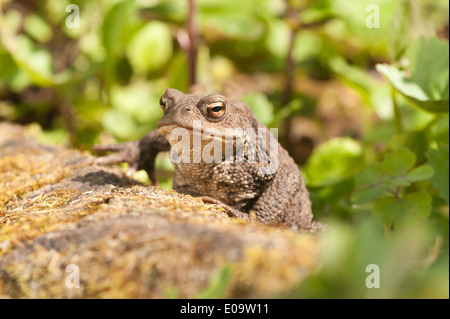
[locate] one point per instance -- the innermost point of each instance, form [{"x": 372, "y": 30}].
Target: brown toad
[{"x": 225, "y": 156}]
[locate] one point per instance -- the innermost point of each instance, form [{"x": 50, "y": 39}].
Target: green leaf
[
  {"x": 355, "y": 76},
  {"x": 57, "y": 136},
  {"x": 412, "y": 91},
  {"x": 177, "y": 72},
  {"x": 440, "y": 131},
  {"x": 400, "y": 181},
  {"x": 428, "y": 85},
  {"x": 407, "y": 23},
  {"x": 7, "y": 65},
  {"x": 277, "y": 38},
  {"x": 115, "y": 23},
  {"x": 137, "y": 100},
  {"x": 369, "y": 176},
  {"x": 306, "y": 44},
  {"x": 150, "y": 48},
  {"x": 37, "y": 28},
  {"x": 367, "y": 194},
  {"x": 172, "y": 10},
  {"x": 218, "y": 285},
  {"x": 37, "y": 64},
  {"x": 398, "y": 162},
  {"x": 232, "y": 25},
  {"x": 121, "y": 125},
  {"x": 439, "y": 160},
  {"x": 261, "y": 106},
  {"x": 353, "y": 18},
  {"x": 231, "y": 19},
  {"x": 369, "y": 184},
  {"x": 115, "y": 31},
  {"x": 389, "y": 210},
  {"x": 12, "y": 21},
  {"x": 334, "y": 161},
  {"x": 420, "y": 173},
  {"x": 372, "y": 183},
  {"x": 292, "y": 107},
  {"x": 418, "y": 204},
  {"x": 429, "y": 63},
  {"x": 385, "y": 210}
]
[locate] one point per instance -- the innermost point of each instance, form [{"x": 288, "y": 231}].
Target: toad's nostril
[{"x": 188, "y": 110}]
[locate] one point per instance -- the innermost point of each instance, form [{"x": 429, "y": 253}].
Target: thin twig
[
  {"x": 291, "y": 68},
  {"x": 192, "y": 48}
]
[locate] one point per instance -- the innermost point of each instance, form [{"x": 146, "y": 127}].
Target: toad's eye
[
  {"x": 162, "y": 102},
  {"x": 216, "y": 109}
]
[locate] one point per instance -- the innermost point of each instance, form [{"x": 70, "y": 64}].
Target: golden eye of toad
[{"x": 216, "y": 109}]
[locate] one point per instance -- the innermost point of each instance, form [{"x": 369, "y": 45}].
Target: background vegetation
[{"x": 364, "y": 111}]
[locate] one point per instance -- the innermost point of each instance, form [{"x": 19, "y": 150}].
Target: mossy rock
[{"x": 128, "y": 240}]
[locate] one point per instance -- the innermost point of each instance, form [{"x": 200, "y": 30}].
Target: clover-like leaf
[
  {"x": 400, "y": 181},
  {"x": 391, "y": 211},
  {"x": 369, "y": 184},
  {"x": 418, "y": 204},
  {"x": 370, "y": 193},
  {"x": 369, "y": 176},
  {"x": 385, "y": 210},
  {"x": 398, "y": 162},
  {"x": 420, "y": 173},
  {"x": 395, "y": 171}
]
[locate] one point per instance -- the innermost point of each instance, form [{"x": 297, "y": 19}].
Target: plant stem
[
  {"x": 395, "y": 193},
  {"x": 192, "y": 48},
  {"x": 290, "y": 70},
  {"x": 397, "y": 113}
]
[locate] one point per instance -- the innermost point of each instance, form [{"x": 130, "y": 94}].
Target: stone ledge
[{"x": 129, "y": 240}]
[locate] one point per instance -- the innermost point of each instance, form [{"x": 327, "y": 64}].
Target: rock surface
[{"x": 126, "y": 239}]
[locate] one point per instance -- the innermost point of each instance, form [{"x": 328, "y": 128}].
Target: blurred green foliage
[{"x": 378, "y": 122}]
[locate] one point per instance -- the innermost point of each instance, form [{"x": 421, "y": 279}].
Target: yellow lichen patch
[
  {"x": 170, "y": 204},
  {"x": 42, "y": 214},
  {"x": 39, "y": 264},
  {"x": 19, "y": 175}
]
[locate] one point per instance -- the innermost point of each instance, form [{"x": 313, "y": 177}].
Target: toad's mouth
[
  {"x": 172, "y": 131},
  {"x": 192, "y": 138},
  {"x": 194, "y": 144}
]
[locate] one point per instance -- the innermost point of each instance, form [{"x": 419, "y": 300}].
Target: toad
[{"x": 223, "y": 154}]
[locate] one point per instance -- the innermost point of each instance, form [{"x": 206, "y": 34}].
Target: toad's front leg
[
  {"x": 138, "y": 154},
  {"x": 231, "y": 212}
]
